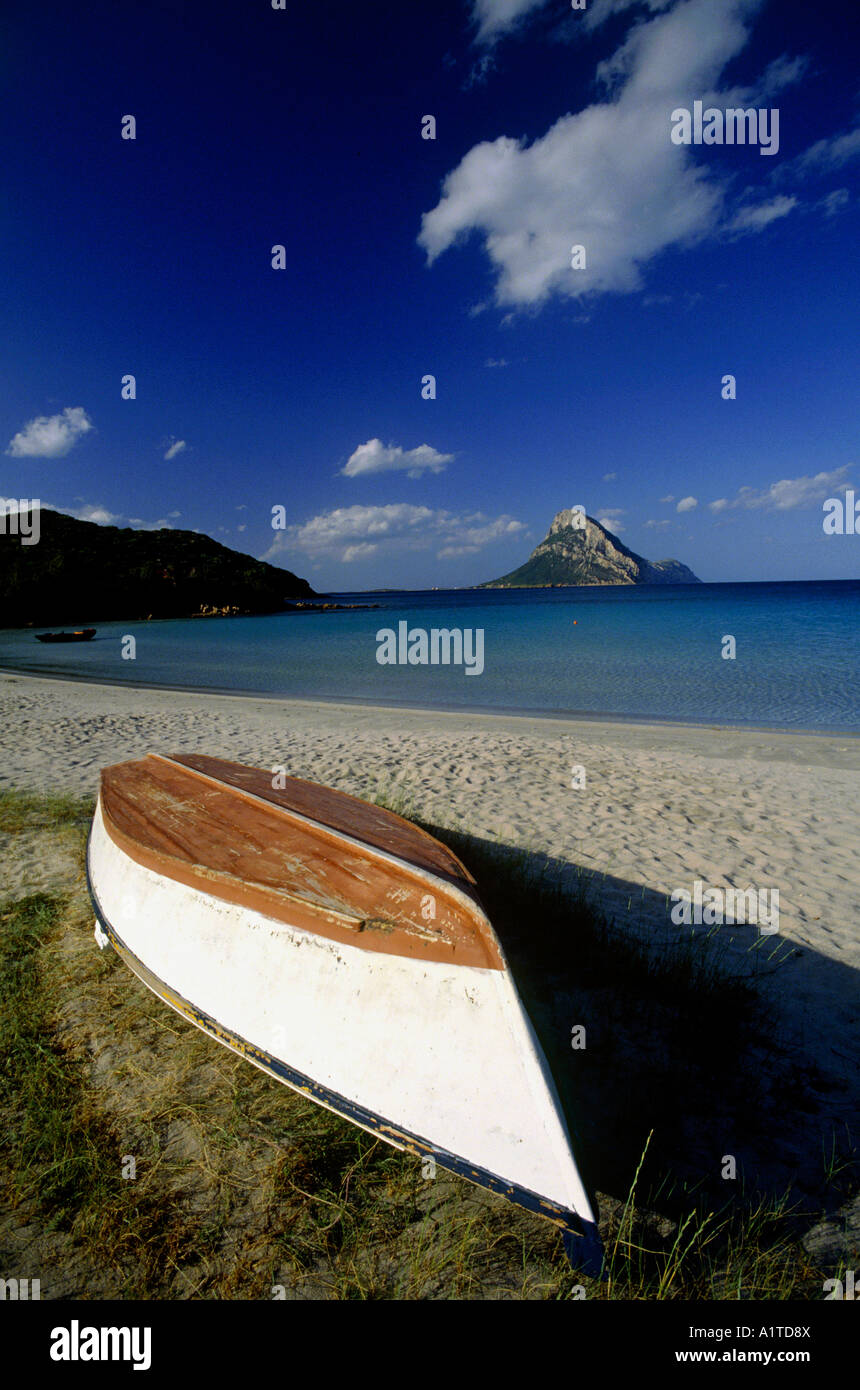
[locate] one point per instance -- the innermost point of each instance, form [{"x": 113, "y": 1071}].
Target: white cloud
[
  {"x": 609, "y": 477},
  {"x": 94, "y": 512},
  {"x": 687, "y": 504},
  {"x": 176, "y": 447},
  {"x": 609, "y": 177},
  {"x": 329, "y": 532},
  {"x": 670, "y": 497},
  {"x": 103, "y": 516},
  {"x": 788, "y": 493},
  {"x": 362, "y": 551},
  {"x": 600, "y": 10},
  {"x": 496, "y": 362},
  {"x": 356, "y": 533},
  {"x": 472, "y": 533},
  {"x": 835, "y": 201},
  {"x": 658, "y": 525},
  {"x": 754, "y": 219},
  {"x": 376, "y": 457},
  {"x": 610, "y": 517},
  {"x": 782, "y": 72},
  {"x": 496, "y": 17},
  {"x": 51, "y": 436},
  {"x": 480, "y": 71},
  {"x": 832, "y": 152}
]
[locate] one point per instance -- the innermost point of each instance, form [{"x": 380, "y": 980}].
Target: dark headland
[{"x": 80, "y": 569}]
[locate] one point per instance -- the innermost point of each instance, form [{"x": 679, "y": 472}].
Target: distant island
[
  {"x": 80, "y": 570},
  {"x": 578, "y": 550}
]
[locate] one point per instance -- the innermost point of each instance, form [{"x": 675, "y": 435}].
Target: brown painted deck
[
  {"x": 220, "y": 827},
  {"x": 372, "y": 824}
]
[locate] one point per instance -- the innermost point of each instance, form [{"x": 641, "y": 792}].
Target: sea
[{"x": 644, "y": 653}]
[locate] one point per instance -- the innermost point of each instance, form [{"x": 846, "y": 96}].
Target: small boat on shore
[
  {"x": 345, "y": 952},
  {"x": 81, "y": 634}
]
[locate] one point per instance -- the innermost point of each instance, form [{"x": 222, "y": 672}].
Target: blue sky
[{"x": 405, "y": 256}]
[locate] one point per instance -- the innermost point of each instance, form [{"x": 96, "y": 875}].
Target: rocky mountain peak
[{"x": 579, "y": 550}]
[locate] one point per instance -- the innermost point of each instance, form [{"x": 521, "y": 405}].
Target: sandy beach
[{"x": 662, "y": 807}]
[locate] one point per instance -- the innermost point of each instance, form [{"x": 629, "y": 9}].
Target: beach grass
[
  {"x": 21, "y": 810},
  {"x": 244, "y": 1189}
]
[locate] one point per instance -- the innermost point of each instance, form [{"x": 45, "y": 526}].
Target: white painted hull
[{"x": 437, "y": 1058}]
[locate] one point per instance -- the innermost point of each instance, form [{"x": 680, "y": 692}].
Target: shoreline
[{"x": 609, "y": 720}]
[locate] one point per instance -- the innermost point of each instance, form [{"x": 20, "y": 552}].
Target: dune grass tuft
[{"x": 39, "y": 811}]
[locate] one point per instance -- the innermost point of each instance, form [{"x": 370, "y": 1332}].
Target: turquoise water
[{"x": 652, "y": 653}]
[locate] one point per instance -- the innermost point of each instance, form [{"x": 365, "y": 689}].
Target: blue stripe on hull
[{"x": 582, "y": 1242}]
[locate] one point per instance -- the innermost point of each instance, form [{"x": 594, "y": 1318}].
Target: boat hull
[
  {"x": 434, "y": 1057},
  {"x": 82, "y": 635}
]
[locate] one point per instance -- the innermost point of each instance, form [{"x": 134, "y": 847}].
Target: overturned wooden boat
[{"x": 344, "y": 951}]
